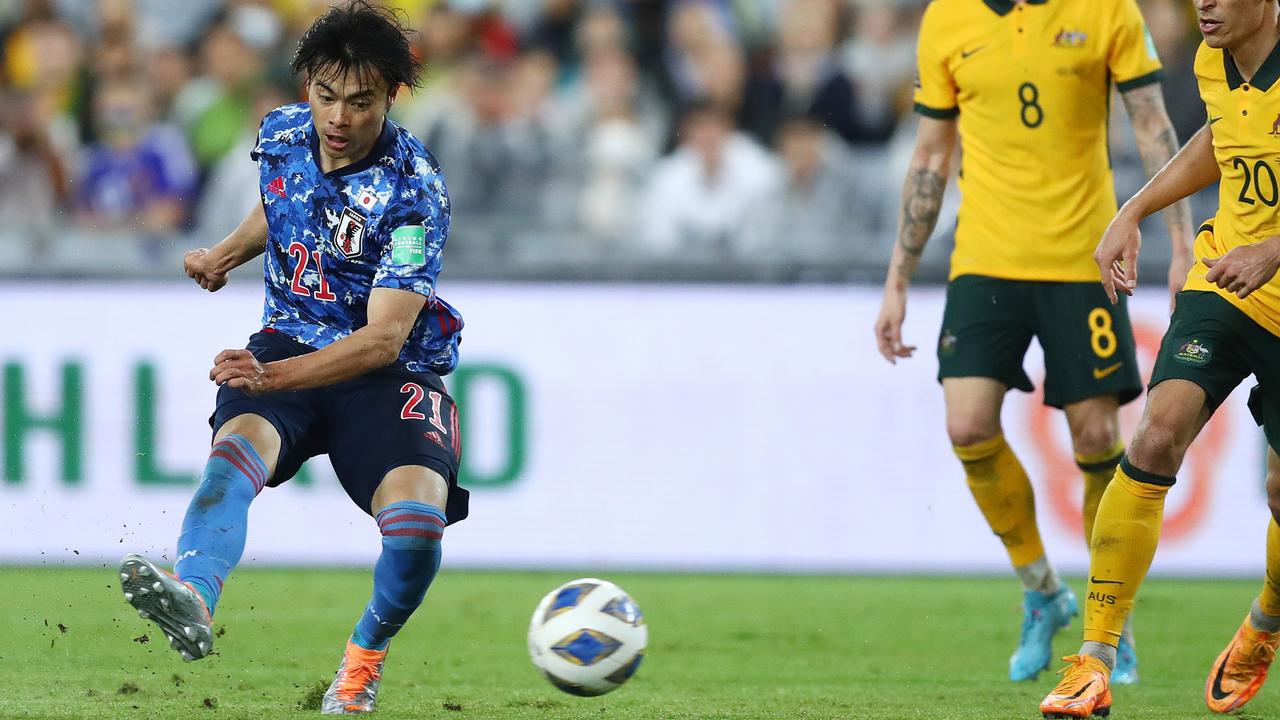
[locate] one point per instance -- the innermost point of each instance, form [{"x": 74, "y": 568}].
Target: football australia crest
[{"x": 348, "y": 237}]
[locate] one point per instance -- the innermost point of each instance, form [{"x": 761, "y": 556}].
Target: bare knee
[
  {"x": 971, "y": 431},
  {"x": 1095, "y": 438},
  {"x": 1095, "y": 425},
  {"x": 410, "y": 482},
  {"x": 973, "y": 409},
  {"x": 259, "y": 433},
  {"x": 1159, "y": 446}
]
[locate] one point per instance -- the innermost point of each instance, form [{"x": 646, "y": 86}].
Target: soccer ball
[{"x": 587, "y": 637}]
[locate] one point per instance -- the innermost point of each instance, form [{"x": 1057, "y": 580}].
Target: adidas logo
[{"x": 277, "y": 186}]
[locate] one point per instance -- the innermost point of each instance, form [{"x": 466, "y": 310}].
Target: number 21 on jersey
[{"x": 300, "y": 257}]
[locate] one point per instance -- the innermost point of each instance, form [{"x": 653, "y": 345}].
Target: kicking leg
[{"x": 212, "y": 539}]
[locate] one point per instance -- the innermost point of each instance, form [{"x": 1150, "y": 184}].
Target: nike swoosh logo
[
  {"x": 1214, "y": 120},
  {"x": 1216, "y": 690},
  {"x": 1096, "y": 581},
  {"x": 964, "y": 54},
  {"x": 1081, "y": 691},
  {"x": 1099, "y": 373}
]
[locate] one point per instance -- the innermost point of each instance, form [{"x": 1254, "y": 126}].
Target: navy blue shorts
[{"x": 382, "y": 420}]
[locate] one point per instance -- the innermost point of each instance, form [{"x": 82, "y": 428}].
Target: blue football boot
[
  {"x": 1126, "y": 671},
  {"x": 1042, "y": 617}
]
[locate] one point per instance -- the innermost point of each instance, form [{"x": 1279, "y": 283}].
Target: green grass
[{"x": 721, "y": 646}]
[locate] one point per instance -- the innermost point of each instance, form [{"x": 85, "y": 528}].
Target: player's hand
[
  {"x": 1117, "y": 256},
  {"x": 893, "y": 310},
  {"x": 1178, "y": 270},
  {"x": 1245, "y": 268},
  {"x": 241, "y": 370},
  {"x": 200, "y": 268}
]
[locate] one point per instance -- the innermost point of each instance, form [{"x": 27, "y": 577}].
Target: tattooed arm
[
  {"x": 921, "y": 201},
  {"x": 1157, "y": 144}
]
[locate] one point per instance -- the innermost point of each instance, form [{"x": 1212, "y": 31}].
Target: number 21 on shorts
[{"x": 416, "y": 394}]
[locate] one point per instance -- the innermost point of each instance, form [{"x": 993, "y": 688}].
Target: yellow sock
[
  {"x": 1269, "y": 600},
  {"x": 1098, "y": 470},
  {"x": 1125, "y": 535},
  {"x": 1004, "y": 495}
]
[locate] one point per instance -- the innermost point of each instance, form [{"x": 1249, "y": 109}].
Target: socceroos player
[
  {"x": 1226, "y": 327},
  {"x": 1026, "y": 88}
]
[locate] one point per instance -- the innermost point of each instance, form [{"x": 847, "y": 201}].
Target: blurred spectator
[
  {"x": 1176, "y": 38},
  {"x": 602, "y": 29},
  {"x": 212, "y": 108},
  {"x": 168, "y": 71},
  {"x": 556, "y": 28},
  {"x": 879, "y": 57},
  {"x": 694, "y": 29},
  {"x": 821, "y": 211},
  {"x": 724, "y": 77},
  {"x": 42, "y": 54},
  {"x": 32, "y": 173},
  {"x": 444, "y": 42},
  {"x": 231, "y": 189},
  {"x": 805, "y": 77},
  {"x": 494, "y": 147},
  {"x": 609, "y": 130},
  {"x": 139, "y": 174},
  {"x": 157, "y": 23},
  {"x": 710, "y": 198},
  {"x": 548, "y": 116}
]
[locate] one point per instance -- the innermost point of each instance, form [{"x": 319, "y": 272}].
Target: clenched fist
[{"x": 200, "y": 267}]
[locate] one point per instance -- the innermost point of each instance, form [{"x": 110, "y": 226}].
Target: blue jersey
[{"x": 334, "y": 237}]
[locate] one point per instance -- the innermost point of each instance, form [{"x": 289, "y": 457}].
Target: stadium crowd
[{"x": 699, "y": 132}]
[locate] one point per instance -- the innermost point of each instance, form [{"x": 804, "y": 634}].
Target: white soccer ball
[{"x": 587, "y": 637}]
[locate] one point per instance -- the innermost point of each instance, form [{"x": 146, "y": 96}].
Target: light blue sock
[
  {"x": 411, "y": 533},
  {"x": 217, "y": 519}
]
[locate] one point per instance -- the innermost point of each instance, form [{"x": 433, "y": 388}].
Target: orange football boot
[
  {"x": 1238, "y": 673},
  {"x": 1085, "y": 689},
  {"x": 355, "y": 689}
]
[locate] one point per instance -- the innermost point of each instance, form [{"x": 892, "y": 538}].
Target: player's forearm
[
  {"x": 921, "y": 203},
  {"x": 1158, "y": 144},
  {"x": 369, "y": 348},
  {"x": 245, "y": 243},
  {"x": 1191, "y": 170}
]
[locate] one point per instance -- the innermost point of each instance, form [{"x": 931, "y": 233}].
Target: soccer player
[
  {"x": 1226, "y": 326},
  {"x": 1026, "y": 87},
  {"x": 353, "y": 219}
]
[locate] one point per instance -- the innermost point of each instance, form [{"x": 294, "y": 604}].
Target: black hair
[{"x": 362, "y": 38}]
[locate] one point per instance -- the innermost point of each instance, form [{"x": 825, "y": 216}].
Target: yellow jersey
[
  {"x": 1031, "y": 84},
  {"x": 1244, "y": 119}
]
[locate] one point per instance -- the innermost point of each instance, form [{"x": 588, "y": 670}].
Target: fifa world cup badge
[{"x": 409, "y": 245}]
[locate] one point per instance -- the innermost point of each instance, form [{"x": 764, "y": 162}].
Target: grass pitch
[{"x": 721, "y": 646}]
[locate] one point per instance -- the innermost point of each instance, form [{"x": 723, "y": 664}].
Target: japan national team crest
[{"x": 349, "y": 237}]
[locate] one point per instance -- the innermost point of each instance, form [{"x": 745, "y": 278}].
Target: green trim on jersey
[
  {"x": 1004, "y": 7},
  {"x": 1141, "y": 81},
  {"x": 1263, "y": 79},
  {"x": 935, "y": 113}
]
